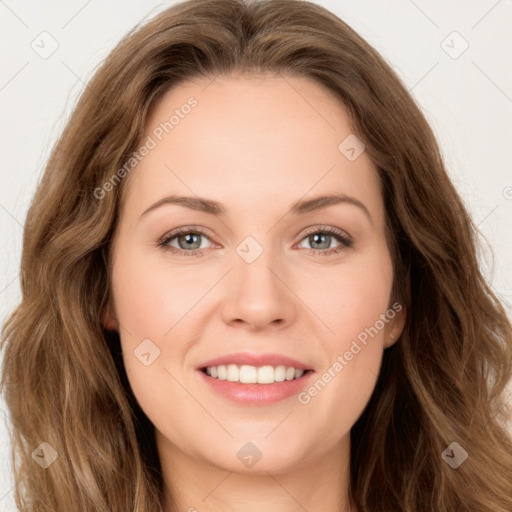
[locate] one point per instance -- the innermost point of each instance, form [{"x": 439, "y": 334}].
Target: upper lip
[{"x": 246, "y": 358}]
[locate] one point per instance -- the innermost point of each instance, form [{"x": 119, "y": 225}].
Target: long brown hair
[{"x": 442, "y": 382}]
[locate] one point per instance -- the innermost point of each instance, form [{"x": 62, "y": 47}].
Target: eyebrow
[{"x": 300, "y": 207}]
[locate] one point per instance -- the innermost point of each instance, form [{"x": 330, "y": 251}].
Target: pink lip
[
  {"x": 255, "y": 360},
  {"x": 257, "y": 394}
]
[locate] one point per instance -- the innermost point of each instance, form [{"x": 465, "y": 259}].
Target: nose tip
[{"x": 255, "y": 296}]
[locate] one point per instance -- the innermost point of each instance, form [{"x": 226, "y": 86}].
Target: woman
[{"x": 253, "y": 372}]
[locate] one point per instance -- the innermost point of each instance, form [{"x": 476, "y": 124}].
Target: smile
[{"x": 247, "y": 374}]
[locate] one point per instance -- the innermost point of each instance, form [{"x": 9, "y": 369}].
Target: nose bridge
[{"x": 256, "y": 293}]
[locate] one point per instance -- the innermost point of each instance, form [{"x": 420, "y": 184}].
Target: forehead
[{"x": 248, "y": 142}]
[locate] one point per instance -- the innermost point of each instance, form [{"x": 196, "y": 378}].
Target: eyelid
[
  {"x": 185, "y": 229},
  {"x": 329, "y": 229}
]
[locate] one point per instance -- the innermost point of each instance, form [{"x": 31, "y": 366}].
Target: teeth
[{"x": 246, "y": 374}]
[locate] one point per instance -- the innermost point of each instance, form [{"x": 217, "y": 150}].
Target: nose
[{"x": 257, "y": 295}]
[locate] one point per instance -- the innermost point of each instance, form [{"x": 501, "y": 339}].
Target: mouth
[
  {"x": 248, "y": 385},
  {"x": 262, "y": 375}
]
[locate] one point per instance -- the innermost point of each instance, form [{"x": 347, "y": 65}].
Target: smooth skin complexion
[{"x": 256, "y": 145}]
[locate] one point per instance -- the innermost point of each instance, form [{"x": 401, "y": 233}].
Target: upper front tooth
[
  {"x": 233, "y": 373},
  {"x": 248, "y": 374},
  {"x": 266, "y": 375}
]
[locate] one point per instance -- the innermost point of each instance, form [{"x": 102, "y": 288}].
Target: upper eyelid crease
[{"x": 298, "y": 208}]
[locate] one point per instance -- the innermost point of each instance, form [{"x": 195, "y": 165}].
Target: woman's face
[{"x": 278, "y": 272}]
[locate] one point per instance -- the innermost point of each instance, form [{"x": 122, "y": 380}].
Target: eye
[
  {"x": 320, "y": 239},
  {"x": 188, "y": 240}
]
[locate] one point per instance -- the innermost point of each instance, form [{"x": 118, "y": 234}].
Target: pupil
[
  {"x": 189, "y": 238},
  {"x": 315, "y": 238}
]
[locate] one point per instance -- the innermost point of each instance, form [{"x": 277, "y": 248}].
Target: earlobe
[
  {"x": 391, "y": 340},
  {"x": 396, "y": 328},
  {"x": 108, "y": 318}
]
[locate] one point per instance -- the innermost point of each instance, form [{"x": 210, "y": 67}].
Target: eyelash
[{"x": 339, "y": 235}]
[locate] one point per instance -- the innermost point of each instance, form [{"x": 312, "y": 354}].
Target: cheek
[
  {"x": 157, "y": 307},
  {"x": 151, "y": 298},
  {"x": 355, "y": 302},
  {"x": 352, "y": 297},
  {"x": 148, "y": 303}
]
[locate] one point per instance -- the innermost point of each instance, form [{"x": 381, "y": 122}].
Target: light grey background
[{"x": 467, "y": 99}]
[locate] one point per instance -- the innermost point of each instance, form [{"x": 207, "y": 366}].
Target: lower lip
[{"x": 257, "y": 394}]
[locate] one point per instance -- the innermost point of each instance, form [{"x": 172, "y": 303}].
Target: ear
[
  {"x": 396, "y": 324},
  {"x": 108, "y": 317}
]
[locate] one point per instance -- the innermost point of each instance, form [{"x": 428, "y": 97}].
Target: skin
[{"x": 256, "y": 144}]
